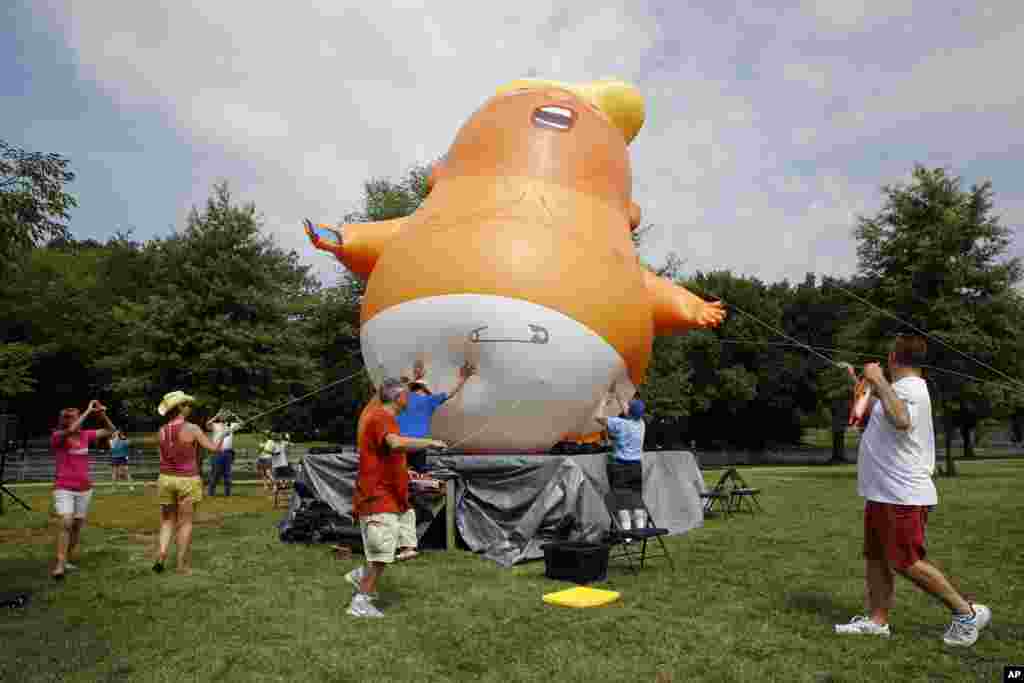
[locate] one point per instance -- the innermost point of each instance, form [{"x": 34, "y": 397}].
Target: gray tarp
[{"x": 509, "y": 506}]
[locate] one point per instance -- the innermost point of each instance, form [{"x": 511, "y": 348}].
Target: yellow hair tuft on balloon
[{"x": 618, "y": 100}]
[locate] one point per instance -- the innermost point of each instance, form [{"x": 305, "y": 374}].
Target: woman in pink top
[
  {"x": 72, "y": 490},
  {"x": 180, "y": 487}
]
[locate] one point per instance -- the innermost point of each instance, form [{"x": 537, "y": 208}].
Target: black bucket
[{"x": 576, "y": 561}]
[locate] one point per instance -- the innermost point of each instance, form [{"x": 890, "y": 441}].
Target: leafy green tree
[
  {"x": 53, "y": 309},
  {"x": 33, "y": 203},
  {"x": 16, "y": 369},
  {"x": 225, "y": 317},
  {"x": 727, "y": 377},
  {"x": 935, "y": 256},
  {"x": 815, "y": 315}
]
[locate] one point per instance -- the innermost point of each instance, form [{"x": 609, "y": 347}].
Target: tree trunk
[
  {"x": 966, "y": 432},
  {"x": 838, "y": 448},
  {"x": 948, "y": 428},
  {"x": 840, "y": 415}
]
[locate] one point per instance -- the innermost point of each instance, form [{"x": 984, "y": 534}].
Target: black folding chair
[
  {"x": 730, "y": 492},
  {"x": 719, "y": 495},
  {"x": 622, "y": 542}
]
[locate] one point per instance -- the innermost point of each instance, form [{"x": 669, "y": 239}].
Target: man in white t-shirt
[
  {"x": 221, "y": 463},
  {"x": 282, "y": 469},
  {"x": 894, "y": 475}
]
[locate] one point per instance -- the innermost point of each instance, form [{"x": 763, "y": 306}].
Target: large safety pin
[{"x": 539, "y": 336}]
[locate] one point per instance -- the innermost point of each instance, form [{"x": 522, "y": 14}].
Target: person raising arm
[
  {"x": 72, "y": 489},
  {"x": 180, "y": 488}
]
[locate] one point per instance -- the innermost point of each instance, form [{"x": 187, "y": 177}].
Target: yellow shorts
[{"x": 172, "y": 490}]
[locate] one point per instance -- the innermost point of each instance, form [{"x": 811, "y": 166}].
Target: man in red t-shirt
[
  {"x": 72, "y": 490},
  {"x": 381, "y": 498}
]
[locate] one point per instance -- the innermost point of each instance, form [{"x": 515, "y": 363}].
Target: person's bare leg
[
  {"x": 185, "y": 509},
  {"x": 168, "y": 521},
  {"x": 929, "y": 579},
  {"x": 880, "y": 589},
  {"x": 63, "y": 538},
  {"x": 74, "y": 537},
  {"x": 368, "y": 584}
]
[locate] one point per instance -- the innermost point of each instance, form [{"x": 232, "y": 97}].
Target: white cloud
[
  {"x": 814, "y": 77},
  {"x": 856, "y": 14},
  {"x": 298, "y": 104},
  {"x": 323, "y": 97},
  {"x": 804, "y": 136}
]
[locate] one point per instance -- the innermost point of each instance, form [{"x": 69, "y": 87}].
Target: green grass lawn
[{"x": 752, "y": 598}]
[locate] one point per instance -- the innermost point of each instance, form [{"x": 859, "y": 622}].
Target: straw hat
[{"x": 175, "y": 398}]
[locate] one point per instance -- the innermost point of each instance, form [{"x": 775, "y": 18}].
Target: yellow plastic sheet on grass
[{"x": 581, "y": 596}]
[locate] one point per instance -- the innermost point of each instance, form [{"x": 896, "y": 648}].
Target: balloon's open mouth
[{"x": 557, "y": 118}]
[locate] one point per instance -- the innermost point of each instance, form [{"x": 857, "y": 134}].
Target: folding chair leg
[{"x": 664, "y": 549}]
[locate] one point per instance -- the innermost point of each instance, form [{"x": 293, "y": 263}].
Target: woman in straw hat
[{"x": 180, "y": 487}]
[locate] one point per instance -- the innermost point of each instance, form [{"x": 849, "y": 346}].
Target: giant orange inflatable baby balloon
[{"x": 520, "y": 261}]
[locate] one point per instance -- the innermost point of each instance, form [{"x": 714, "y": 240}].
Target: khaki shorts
[
  {"x": 172, "y": 490},
  {"x": 385, "y": 532}
]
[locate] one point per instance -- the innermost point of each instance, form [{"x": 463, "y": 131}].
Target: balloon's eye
[{"x": 557, "y": 118}]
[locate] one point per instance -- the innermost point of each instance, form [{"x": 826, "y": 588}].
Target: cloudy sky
[{"x": 770, "y": 125}]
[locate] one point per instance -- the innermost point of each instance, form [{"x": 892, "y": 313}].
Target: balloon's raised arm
[{"x": 356, "y": 245}]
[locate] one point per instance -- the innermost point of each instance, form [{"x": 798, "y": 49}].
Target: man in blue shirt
[
  {"x": 626, "y": 469},
  {"x": 414, "y": 421}
]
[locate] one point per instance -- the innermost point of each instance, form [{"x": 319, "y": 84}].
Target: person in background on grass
[
  {"x": 282, "y": 469},
  {"x": 265, "y": 460},
  {"x": 894, "y": 475},
  {"x": 179, "y": 487},
  {"x": 220, "y": 463},
  {"x": 626, "y": 468},
  {"x": 72, "y": 489},
  {"x": 381, "y": 498},
  {"x": 120, "y": 448}
]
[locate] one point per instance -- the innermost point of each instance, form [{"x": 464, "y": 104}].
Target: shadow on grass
[
  {"x": 24, "y": 575},
  {"x": 828, "y": 611},
  {"x": 821, "y": 605}
]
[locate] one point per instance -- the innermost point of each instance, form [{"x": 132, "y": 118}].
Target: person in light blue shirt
[
  {"x": 120, "y": 449},
  {"x": 625, "y": 471},
  {"x": 627, "y": 433}
]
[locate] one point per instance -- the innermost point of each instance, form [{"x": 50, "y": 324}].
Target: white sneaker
[
  {"x": 862, "y": 625},
  {"x": 964, "y": 632},
  {"x": 70, "y": 567},
  {"x": 362, "y": 607}
]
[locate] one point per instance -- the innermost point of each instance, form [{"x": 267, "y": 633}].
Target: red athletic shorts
[{"x": 895, "y": 532}]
